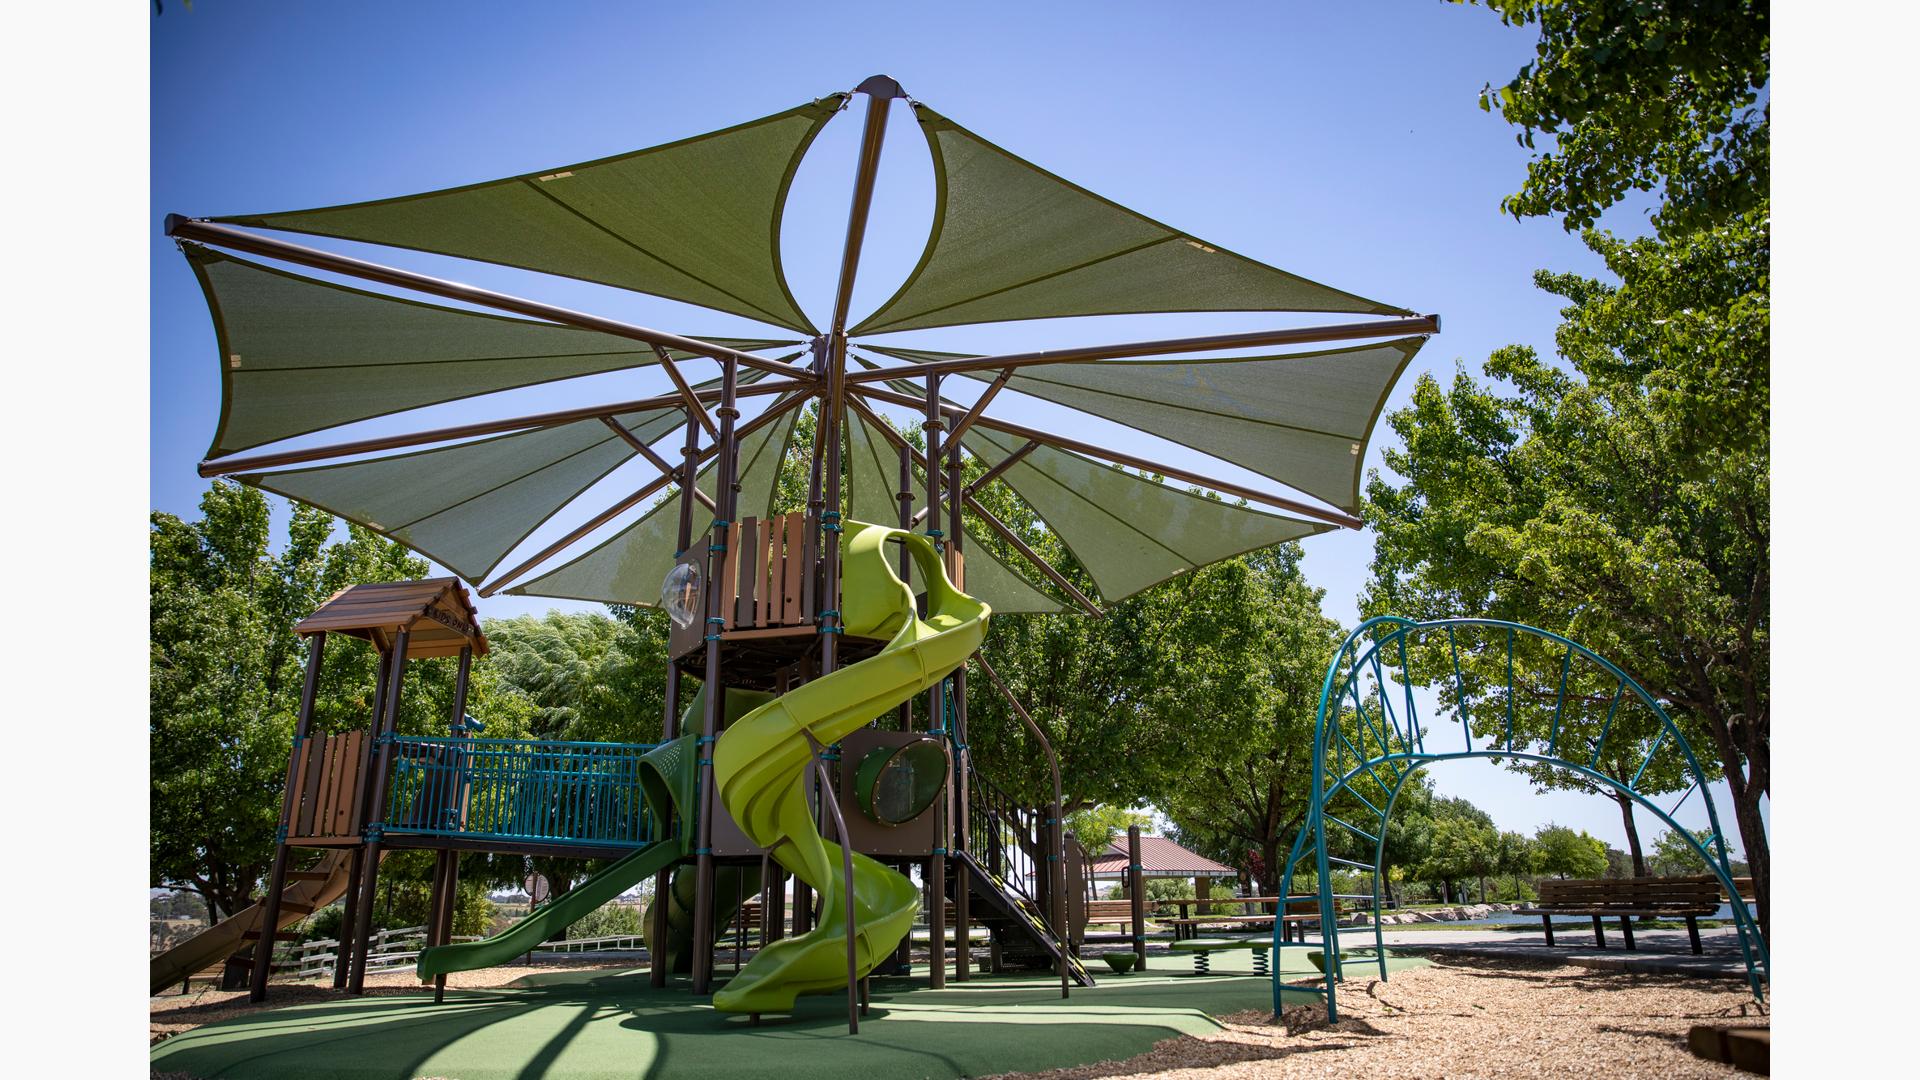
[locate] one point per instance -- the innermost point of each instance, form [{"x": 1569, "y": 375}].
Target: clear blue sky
[{"x": 1342, "y": 142}]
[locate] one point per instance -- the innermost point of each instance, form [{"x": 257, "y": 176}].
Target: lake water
[{"x": 1508, "y": 918}]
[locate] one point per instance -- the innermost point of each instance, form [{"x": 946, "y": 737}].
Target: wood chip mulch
[{"x": 1467, "y": 1017}]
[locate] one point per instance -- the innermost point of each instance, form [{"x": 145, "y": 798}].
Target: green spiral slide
[{"x": 759, "y": 759}]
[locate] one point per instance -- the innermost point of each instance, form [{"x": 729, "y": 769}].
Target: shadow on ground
[{"x": 591, "y": 1024}]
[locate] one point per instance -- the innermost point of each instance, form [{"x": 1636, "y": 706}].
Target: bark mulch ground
[{"x": 1466, "y": 1017}]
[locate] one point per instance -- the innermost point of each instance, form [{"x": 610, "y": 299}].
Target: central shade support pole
[
  {"x": 713, "y": 685},
  {"x": 657, "y": 960},
  {"x": 937, "y": 719}
]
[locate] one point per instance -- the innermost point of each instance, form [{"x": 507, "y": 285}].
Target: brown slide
[{"x": 307, "y": 891}]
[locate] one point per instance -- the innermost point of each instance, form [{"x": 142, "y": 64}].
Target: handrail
[{"x": 540, "y": 790}]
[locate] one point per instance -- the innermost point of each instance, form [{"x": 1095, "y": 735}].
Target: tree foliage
[
  {"x": 226, "y": 670},
  {"x": 1565, "y": 853},
  {"x": 1639, "y": 95}
]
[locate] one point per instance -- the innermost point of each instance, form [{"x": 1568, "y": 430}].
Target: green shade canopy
[
  {"x": 699, "y": 221},
  {"x": 466, "y": 506},
  {"x": 627, "y": 568},
  {"x": 873, "y": 473},
  {"x": 1303, "y": 419},
  {"x": 299, "y": 355},
  {"x": 1012, "y": 241},
  {"x": 1128, "y": 531},
  {"x": 696, "y": 220}
]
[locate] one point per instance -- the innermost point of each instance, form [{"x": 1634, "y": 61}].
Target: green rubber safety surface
[{"x": 600, "y": 1024}]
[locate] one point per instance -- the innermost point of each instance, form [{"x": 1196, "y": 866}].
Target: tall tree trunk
[
  {"x": 1633, "y": 833},
  {"x": 1753, "y": 838}
]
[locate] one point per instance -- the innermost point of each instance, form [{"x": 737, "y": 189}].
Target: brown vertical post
[
  {"x": 957, "y": 796},
  {"x": 670, "y": 723},
  {"x": 937, "y": 719},
  {"x": 450, "y": 870},
  {"x": 349, "y": 918},
  {"x": 712, "y": 683},
  {"x": 277, "y": 877},
  {"x": 357, "y": 871},
  {"x": 1137, "y": 895},
  {"x": 376, "y": 812}
]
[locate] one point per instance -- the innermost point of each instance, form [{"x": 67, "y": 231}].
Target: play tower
[{"x": 836, "y": 640}]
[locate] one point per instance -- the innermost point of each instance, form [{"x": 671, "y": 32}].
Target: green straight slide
[
  {"x": 666, "y": 782},
  {"x": 760, "y": 758},
  {"x": 554, "y": 918}
]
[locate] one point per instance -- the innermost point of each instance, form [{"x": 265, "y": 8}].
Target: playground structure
[
  {"x": 1369, "y": 722},
  {"x": 812, "y": 632}
]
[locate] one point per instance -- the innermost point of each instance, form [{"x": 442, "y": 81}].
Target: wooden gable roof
[{"x": 437, "y": 613}]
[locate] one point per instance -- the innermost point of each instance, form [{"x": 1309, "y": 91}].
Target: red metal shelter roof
[{"x": 1159, "y": 857}]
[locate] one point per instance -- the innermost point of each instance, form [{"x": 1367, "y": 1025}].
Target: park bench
[
  {"x": 1113, "y": 913},
  {"x": 1203, "y": 949},
  {"x": 1292, "y": 924},
  {"x": 1626, "y": 898}
]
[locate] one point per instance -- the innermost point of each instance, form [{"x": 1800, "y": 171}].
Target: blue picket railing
[{"x": 536, "y": 790}]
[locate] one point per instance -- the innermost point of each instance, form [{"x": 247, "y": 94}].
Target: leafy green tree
[
  {"x": 1660, "y": 538},
  {"x": 1640, "y": 95},
  {"x": 1096, "y": 827},
  {"x": 1465, "y": 845},
  {"x": 1516, "y": 856},
  {"x": 225, "y": 676},
  {"x": 1250, "y": 772},
  {"x": 589, "y": 677},
  {"x": 1569, "y": 854},
  {"x": 1593, "y": 504}
]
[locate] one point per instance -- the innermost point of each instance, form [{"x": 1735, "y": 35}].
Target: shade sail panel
[
  {"x": 873, "y": 468},
  {"x": 299, "y": 355},
  {"x": 696, "y": 220},
  {"x": 628, "y": 567},
  {"x": 1303, "y": 419},
  {"x": 1012, "y": 241},
  {"x": 466, "y": 506},
  {"x": 1128, "y": 531}
]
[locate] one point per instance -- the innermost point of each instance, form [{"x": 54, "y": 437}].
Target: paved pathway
[{"x": 1663, "y": 951}]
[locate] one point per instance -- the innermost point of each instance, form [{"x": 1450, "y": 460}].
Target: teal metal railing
[
  {"x": 534, "y": 790},
  {"x": 1369, "y": 723}
]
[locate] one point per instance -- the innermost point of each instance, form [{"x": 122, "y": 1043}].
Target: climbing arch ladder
[{"x": 1496, "y": 690}]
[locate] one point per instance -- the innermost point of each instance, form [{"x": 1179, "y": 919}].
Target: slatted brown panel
[
  {"x": 312, "y": 760},
  {"x": 809, "y": 556},
  {"x": 796, "y": 595},
  {"x": 751, "y": 573},
  {"x": 729, "y": 571},
  {"x": 768, "y": 609}
]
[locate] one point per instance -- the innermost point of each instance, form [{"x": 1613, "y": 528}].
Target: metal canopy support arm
[
  {"x": 633, "y": 500},
  {"x": 1000, "y": 529},
  {"x": 275, "y": 459},
  {"x": 183, "y": 228},
  {"x": 1317, "y": 513},
  {"x": 1304, "y": 335},
  {"x": 695, "y": 410},
  {"x": 656, "y": 460}
]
